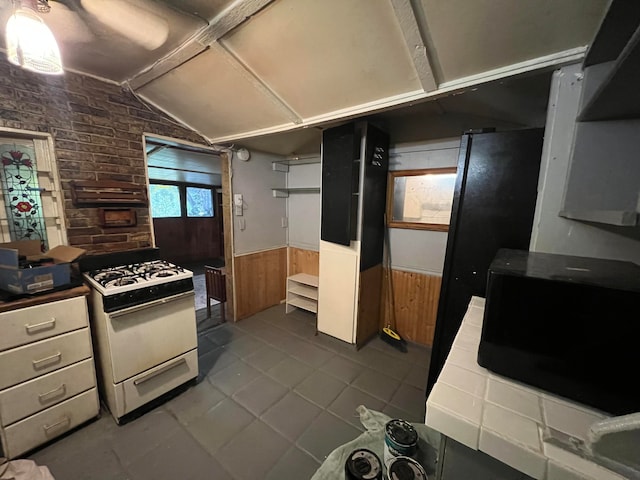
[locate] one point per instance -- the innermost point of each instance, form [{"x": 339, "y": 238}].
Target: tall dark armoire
[{"x": 493, "y": 207}]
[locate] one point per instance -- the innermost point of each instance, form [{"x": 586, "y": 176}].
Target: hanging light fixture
[{"x": 30, "y": 43}]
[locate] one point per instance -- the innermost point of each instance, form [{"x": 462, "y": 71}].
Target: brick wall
[{"x": 97, "y": 130}]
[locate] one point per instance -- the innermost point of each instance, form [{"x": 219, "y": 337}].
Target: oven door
[{"x": 147, "y": 335}]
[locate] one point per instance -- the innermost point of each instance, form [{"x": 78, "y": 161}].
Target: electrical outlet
[{"x": 242, "y": 224}]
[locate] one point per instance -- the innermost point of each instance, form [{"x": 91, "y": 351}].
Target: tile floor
[{"x": 272, "y": 401}]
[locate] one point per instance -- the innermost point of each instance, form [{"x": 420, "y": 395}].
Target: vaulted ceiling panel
[
  {"x": 321, "y": 56},
  {"x": 470, "y": 37},
  {"x": 212, "y": 94}
]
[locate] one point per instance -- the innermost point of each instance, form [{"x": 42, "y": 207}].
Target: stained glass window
[
  {"x": 165, "y": 201},
  {"x": 21, "y": 192},
  {"x": 199, "y": 202}
]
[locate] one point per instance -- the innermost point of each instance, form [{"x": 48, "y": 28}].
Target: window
[
  {"x": 177, "y": 200},
  {"x": 421, "y": 199},
  {"x": 165, "y": 201},
  {"x": 199, "y": 202},
  {"x": 31, "y": 202}
]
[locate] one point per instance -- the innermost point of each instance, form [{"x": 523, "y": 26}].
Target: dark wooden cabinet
[{"x": 493, "y": 208}]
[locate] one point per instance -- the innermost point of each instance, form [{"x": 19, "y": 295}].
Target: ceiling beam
[
  {"x": 235, "y": 14},
  {"x": 415, "y": 44},
  {"x": 232, "y": 16}
]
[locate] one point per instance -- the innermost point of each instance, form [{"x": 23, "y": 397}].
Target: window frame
[
  {"x": 182, "y": 188},
  {"x": 49, "y": 179},
  {"x": 391, "y": 222}
]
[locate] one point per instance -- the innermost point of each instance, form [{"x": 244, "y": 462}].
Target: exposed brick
[
  {"x": 140, "y": 237},
  {"x": 79, "y": 239},
  {"x": 109, "y": 238},
  {"x": 95, "y": 112},
  {"x": 118, "y": 177},
  {"x": 86, "y": 128},
  {"x": 83, "y": 231},
  {"x": 97, "y": 129},
  {"x": 67, "y": 135}
]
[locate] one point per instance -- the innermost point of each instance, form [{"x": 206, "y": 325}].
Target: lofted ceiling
[{"x": 270, "y": 73}]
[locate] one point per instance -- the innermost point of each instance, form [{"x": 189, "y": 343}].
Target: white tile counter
[{"x": 506, "y": 419}]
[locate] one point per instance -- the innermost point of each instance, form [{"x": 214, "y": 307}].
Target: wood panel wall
[
  {"x": 303, "y": 261},
  {"x": 369, "y": 304},
  {"x": 416, "y": 304},
  {"x": 185, "y": 239},
  {"x": 260, "y": 281}
]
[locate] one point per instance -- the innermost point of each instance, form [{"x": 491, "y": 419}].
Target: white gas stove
[{"x": 143, "y": 318}]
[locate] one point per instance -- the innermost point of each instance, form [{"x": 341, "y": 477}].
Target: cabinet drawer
[
  {"x": 36, "y": 359},
  {"x": 143, "y": 388},
  {"x": 43, "y": 392},
  {"x": 31, "y": 324},
  {"x": 50, "y": 423}
]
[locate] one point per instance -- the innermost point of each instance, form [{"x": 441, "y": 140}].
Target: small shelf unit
[{"x": 302, "y": 292}]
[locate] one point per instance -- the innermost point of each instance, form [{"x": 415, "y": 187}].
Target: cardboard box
[{"x": 38, "y": 279}]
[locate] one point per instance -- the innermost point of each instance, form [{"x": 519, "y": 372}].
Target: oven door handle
[
  {"x": 155, "y": 303},
  {"x": 160, "y": 371}
]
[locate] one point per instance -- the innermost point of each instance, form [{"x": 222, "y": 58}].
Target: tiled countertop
[{"x": 506, "y": 419}]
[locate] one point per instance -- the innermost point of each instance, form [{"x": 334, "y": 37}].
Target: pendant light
[{"x": 30, "y": 43}]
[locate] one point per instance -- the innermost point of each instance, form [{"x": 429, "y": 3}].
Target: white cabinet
[
  {"x": 302, "y": 292},
  {"x": 47, "y": 374}
]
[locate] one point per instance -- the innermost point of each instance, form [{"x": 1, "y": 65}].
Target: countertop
[
  {"x": 43, "y": 298},
  {"x": 512, "y": 422}
]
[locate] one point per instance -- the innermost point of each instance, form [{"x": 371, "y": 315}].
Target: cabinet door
[{"x": 340, "y": 178}]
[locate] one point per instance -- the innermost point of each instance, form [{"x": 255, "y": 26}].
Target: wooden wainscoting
[
  {"x": 260, "y": 281},
  {"x": 369, "y": 304},
  {"x": 303, "y": 261},
  {"x": 416, "y": 304}
]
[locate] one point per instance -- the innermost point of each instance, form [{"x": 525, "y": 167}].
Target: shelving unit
[
  {"x": 602, "y": 183},
  {"x": 283, "y": 166},
  {"x": 302, "y": 292}
]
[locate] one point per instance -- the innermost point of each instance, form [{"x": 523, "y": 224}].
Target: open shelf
[
  {"x": 620, "y": 218},
  {"x": 284, "y": 192},
  {"x": 302, "y": 292}
]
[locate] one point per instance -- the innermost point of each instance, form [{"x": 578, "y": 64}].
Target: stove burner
[
  {"x": 119, "y": 282},
  {"x": 135, "y": 273}
]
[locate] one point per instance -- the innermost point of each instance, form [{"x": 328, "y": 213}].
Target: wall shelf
[
  {"x": 616, "y": 95},
  {"x": 283, "y": 165},
  {"x": 302, "y": 292},
  {"x": 621, "y": 218},
  {"x": 602, "y": 185},
  {"x": 284, "y": 192}
]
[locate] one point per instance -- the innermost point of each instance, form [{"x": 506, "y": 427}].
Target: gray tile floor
[{"x": 272, "y": 402}]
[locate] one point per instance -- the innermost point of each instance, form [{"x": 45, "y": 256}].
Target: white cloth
[
  {"x": 373, "y": 439},
  {"x": 23, "y": 470}
]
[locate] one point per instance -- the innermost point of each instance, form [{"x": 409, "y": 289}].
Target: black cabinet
[
  {"x": 493, "y": 208},
  {"x": 340, "y": 181}
]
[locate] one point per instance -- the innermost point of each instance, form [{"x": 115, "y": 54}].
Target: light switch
[
  {"x": 284, "y": 222},
  {"x": 242, "y": 224}
]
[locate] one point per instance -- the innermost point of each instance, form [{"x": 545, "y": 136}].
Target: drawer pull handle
[
  {"x": 56, "y": 392},
  {"x": 55, "y": 358},
  {"x": 49, "y": 324},
  {"x": 164, "y": 369},
  {"x": 65, "y": 420}
]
